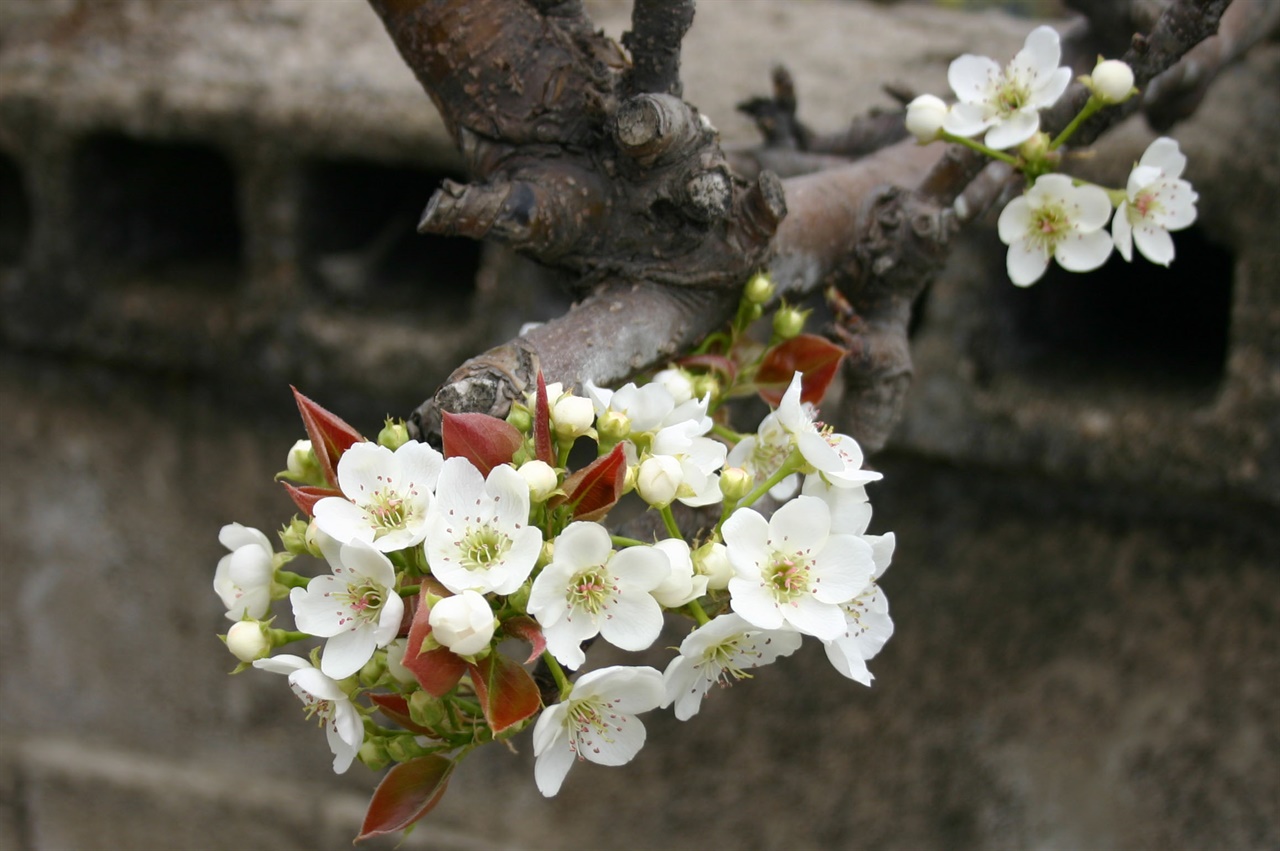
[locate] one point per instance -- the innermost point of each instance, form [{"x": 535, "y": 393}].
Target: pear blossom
[
  {"x": 479, "y": 535},
  {"x": 1156, "y": 201},
  {"x": 325, "y": 700},
  {"x": 791, "y": 570},
  {"x": 867, "y": 622},
  {"x": 721, "y": 651},
  {"x": 925, "y": 116},
  {"x": 588, "y": 589},
  {"x": 387, "y": 495},
  {"x": 677, "y": 383},
  {"x": 464, "y": 623},
  {"x": 646, "y": 407},
  {"x": 244, "y": 576},
  {"x": 762, "y": 454},
  {"x": 1005, "y": 103},
  {"x": 836, "y": 456},
  {"x": 1055, "y": 219},
  {"x": 356, "y": 608},
  {"x": 572, "y": 416},
  {"x": 712, "y": 561},
  {"x": 540, "y": 477},
  {"x": 697, "y": 456},
  {"x": 682, "y": 584},
  {"x": 597, "y": 723}
]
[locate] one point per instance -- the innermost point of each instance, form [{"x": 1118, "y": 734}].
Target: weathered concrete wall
[{"x": 1087, "y": 585}]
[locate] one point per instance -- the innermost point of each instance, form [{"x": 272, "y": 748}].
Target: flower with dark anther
[
  {"x": 791, "y": 570},
  {"x": 479, "y": 536},
  {"x": 356, "y": 608},
  {"x": 596, "y": 723},
  {"x": 1055, "y": 219},
  {"x": 836, "y": 456},
  {"x": 324, "y": 700},
  {"x": 1005, "y": 103},
  {"x": 1157, "y": 201},
  {"x": 589, "y": 589},
  {"x": 244, "y": 576},
  {"x": 387, "y": 495},
  {"x": 721, "y": 651}
]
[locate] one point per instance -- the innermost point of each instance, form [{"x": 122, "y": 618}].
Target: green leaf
[{"x": 408, "y": 792}]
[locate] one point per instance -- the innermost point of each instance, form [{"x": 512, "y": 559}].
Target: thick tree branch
[{"x": 657, "y": 30}]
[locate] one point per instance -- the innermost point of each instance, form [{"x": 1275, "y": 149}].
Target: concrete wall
[{"x": 1087, "y": 585}]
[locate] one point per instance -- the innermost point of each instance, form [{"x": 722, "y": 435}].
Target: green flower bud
[
  {"x": 735, "y": 483},
  {"x": 520, "y": 417},
  {"x": 759, "y": 289},
  {"x": 426, "y": 709},
  {"x": 1036, "y": 148},
  {"x": 706, "y": 385},
  {"x": 374, "y": 754},
  {"x": 394, "y": 434},
  {"x": 302, "y": 465},
  {"x": 788, "y": 322},
  {"x": 613, "y": 426},
  {"x": 294, "y": 537}
]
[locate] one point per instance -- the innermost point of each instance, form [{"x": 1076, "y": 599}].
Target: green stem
[
  {"x": 727, "y": 433},
  {"x": 1091, "y": 106},
  {"x": 562, "y": 682},
  {"x": 673, "y": 529},
  {"x": 980, "y": 148},
  {"x": 619, "y": 541},
  {"x": 289, "y": 579},
  {"x": 281, "y": 637},
  {"x": 695, "y": 608}
]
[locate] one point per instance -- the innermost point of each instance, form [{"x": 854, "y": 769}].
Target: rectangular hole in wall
[
  {"x": 157, "y": 213},
  {"x": 15, "y": 213},
  {"x": 1136, "y": 327},
  {"x": 361, "y": 248}
]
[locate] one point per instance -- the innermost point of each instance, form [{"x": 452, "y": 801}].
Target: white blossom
[
  {"x": 540, "y": 477},
  {"x": 387, "y": 495},
  {"x": 572, "y": 416},
  {"x": 836, "y": 456},
  {"x": 479, "y": 536},
  {"x": 1156, "y": 201},
  {"x": 867, "y": 622},
  {"x": 682, "y": 583},
  {"x": 659, "y": 479},
  {"x": 791, "y": 570},
  {"x": 244, "y": 576},
  {"x": 356, "y": 608},
  {"x": 589, "y": 589},
  {"x": 1055, "y": 219},
  {"x": 721, "y": 651},
  {"x": 596, "y": 723},
  {"x": 1005, "y": 103},
  {"x": 677, "y": 383},
  {"x": 712, "y": 561},
  {"x": 925, "y": 116},
  {"x": 464, "y": 623},
  {"x": 325, "y": 700}
]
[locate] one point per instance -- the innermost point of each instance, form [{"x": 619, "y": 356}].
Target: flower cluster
[
  {"x": 1057, "y": 218},
  {"x": 435, "y": 558}
]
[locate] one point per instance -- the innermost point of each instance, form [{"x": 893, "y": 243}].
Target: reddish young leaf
[
  {"x": 716, "y": 363},
  {"x": 396, "y": 707},
  {"x": 526, "y": 629},
  {"x": 437, "y": 670},
  {"x": 507, "y": 693},
  {"x": 817, "y": 358},
  {"x": 330, "y": 435},
  {"x": 306, "y": 497},
  {"x": 483, "y": 440},
  {"x": 543, "y": 448},
  {"x": 408, "y": 792},
  {"x": 597, "y": 487}
]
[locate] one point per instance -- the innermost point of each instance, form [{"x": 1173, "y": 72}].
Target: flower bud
[
  {"x": 294, "y": 537},
  {"x": 925, "y": 115},
  {"x": 735, "y": 483},
  {"x": 520, "y": 417},
  {"x": 759, "y": 289},
  {"x": 682, "y": 584},
  {"x": 788, "y": 322},
  {"x": 712, "y": 561},
  {"x": 464, "y": 623},
  {"x": 302, "y": 464},
  {"x": 1111, "y": 81},
  {"x": 373, "y": 754},
  {"x": 706, "y": 385},
  {"x": 540, "y": 477},
  {"x": 659, "y": 479},
  {"x": 247, "y": 640},
  {"x": 1036, "y": 148},
  {"x": 394, "y": 434},
  {"x": 573, "y": 416},
  {"x": 426, "y": 709},
  {"x": 613, "y": 426},
  {"x": 677, "y": 382},
  {"x": 395, "y": 661}
]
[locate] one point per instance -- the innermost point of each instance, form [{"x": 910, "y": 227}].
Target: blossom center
[
  {"x": 1011, "y": 96},
  {"x": 1049, "y": 224},
  {"x": 1145, "y": 204},
  {"x": 363, "y": 603},
  {"x": 591, "y": 589},
  {"x": 723, "y": 657},
  {"x": 588, "y": 721},
  {"x": 788, "y": 576},
  {"x": 387, "y": 511},
  {"x": 483, "y": 547}
]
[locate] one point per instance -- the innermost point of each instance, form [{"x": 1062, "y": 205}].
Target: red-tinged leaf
[
  {"x": 307, "y": 496},
  {"x": 408, "y": 792},
  {"x": 716, "y": 363},
  {"x": 437, "y": 670},
  {"x": 526, "y": 629},
  {"x": 507, "y": 693},
  {"x": 542, "y": 445},
  {"x": 816, "y": 358},
  {"x": 396, "y": 707},
  {"x": 330, "y": 435},
  {"x": 597, "y": 487},
  {"x": 483, "y": 440}
]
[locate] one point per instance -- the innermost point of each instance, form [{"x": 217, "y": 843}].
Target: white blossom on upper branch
[
  {"x": 1156, "y": 201},
  {"x": 1055, "y": 219}
]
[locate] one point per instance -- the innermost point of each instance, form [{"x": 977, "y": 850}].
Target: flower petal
[
  {"x": 801, "y": 524},
  {"x": 1084, "y": 252},
  {"x": 1163, "y": 153},
  {"x": 967, "y": 119},
  {"x": 972, "y": 77},
  {"x": 1014, "y": 221},
  {"x": 1092, "y": 207},
  {"x": 1026, "y": 262},
  {"x": 347, "y": 652},
  {"x": 1122, "y": 231},
  {"x": 633, "y": 620},
  {"x": 552, "y": 767},
  {"x": 1014, "y": 130},
  {"x": 1155, "y": 243}
]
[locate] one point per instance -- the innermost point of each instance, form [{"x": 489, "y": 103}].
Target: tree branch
[{"x": 657, "y": 30}]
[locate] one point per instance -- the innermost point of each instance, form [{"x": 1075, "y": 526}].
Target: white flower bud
[
  {"x": 464, "y": 623},
  {"x": 573, "y": 416},
  {"x": 395, "y": 661},
  {"x": 1112, "y": 81},
  {"x": 302, "y": 465},
  {"x": 682, "y": 584},
  {"x": 677, "y": 383},
  {"x": 658, "y": 480},
  {"x": 614, "y": 425},
  {"x": 925, "y": 115},
  {"x": 541, "y": 478},
  {"x": 247, "y": 641},
  {"x": 712, "y": 561},
  {"x": 735, "y": 483}
]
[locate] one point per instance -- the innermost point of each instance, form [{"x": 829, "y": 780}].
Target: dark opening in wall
[
  {"x": 1139, "y": 325},
  {"x": 15, "y": 213},
  {"x": 360, "y": 243},
  {"x": 157, "y": 212}
]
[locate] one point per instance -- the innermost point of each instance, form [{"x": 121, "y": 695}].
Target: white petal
[
  {"x": 971, "y": 77},
  {"x": 583, "y": 544},
  {"x": 346, "y": 653},
  {"x": 1155, "y": 244},
  {"x": 315, "y": 611},
  {"x": 791, "y": 414},
  {"x": 1014, "y": 130},
  {"x": 420, "y": 465},
  {"x": 285, "y": 663},
  {"x": 813, "y": 617},
  {"x": 746, "y": 535},
  {"x": 1083, "y": 252},
  {"x": 316, "y": 684},
  {"x": 882, "y": 547},
  {"x": 1052, "y": 87},
  {"x": 510, "y": 493},
  {"x": 685, "y": 687},
  {"x": 801, "y": 524},
  {"x": 642, "y": 568},
  {"x": 565, "y": 637},
  {"x": 967, "y": 119},
  {"x": 363, "y": 560},
  {"x": 345, "y": 733},
  {"x": 233, "y": 536},
  {"x": 633, "y": 621},
  {"x": 1026, "y": 263},
  {"x": 630, "y": 689},
  {"x": 342, "y": 520},
  {"x": 1163, "y": 153},
  {"x": 754, "y": 603},
  {"x": 1042, "y": 50},
  {"x": 549, "y": 728},
  {"x": 1179, "y": 205},
  {"x": 1049, "y": 189},
  {"x": 1141, "y": 177},
  {"x": 845, "y": 658},
  {"x": 1093, "y": 207},
  {"x": 364, "y": 469},
  {"x": 1122, "y": 231},
  {"x": 822, "y": 455},
  {"x": 843, "y": 569},
  {"x": 551, "y": 767},
  {"x": 1014, "y": 221},
  {"x": 616, "y": 745}
]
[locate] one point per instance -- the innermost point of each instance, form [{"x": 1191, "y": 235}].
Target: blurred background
[{"x": 202, "y": 203}]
